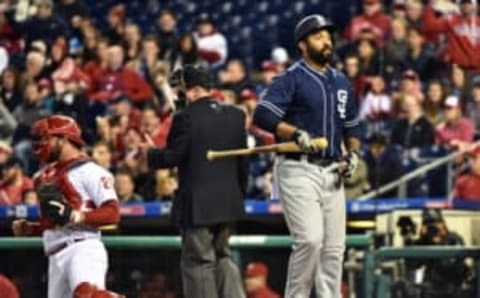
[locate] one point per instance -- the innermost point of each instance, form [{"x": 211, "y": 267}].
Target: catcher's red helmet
[{"x": 58, "y": 126}]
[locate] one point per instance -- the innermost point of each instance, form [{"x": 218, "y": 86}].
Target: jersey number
[
  {"x": 342, "y": 103},
  {"x": 107, "y": 182}
]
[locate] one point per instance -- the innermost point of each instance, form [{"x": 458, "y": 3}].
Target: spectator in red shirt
[
  {"x": 462, "y": 32},
  {"x": 97, "y": 67},
  {"x": 14, "y": 183},
  {"x": 118, "y": 79},
  {"x": 155, "y": 127},
  {"x": 66, "y": 74},
  {"x": 121, "y": 107},
  {"x": 467, "y": 186},
  {"x": 372, "y": 19},
  {"x": 256, "y": 275},
  {"x": 457, "y": 131}
]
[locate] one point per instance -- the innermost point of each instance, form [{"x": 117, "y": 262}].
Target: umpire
[
  {"x": 311, "y": 99},
  {"x": 210, "y": 194}
]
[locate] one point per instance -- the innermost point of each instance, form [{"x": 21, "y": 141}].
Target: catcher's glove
[{"x": 53, "y": 205}]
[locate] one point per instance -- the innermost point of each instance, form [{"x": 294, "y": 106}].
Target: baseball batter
[
  {"x": 309, "y": 100},
  {"x": 76, "y": 198}
]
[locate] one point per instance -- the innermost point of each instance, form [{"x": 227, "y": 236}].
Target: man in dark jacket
[
  {"x": 210, "y": 192},
  {"x": 414, "y": 130},
  {"x": 44, "y": 25},
  {"x": 384, "y": 164}
]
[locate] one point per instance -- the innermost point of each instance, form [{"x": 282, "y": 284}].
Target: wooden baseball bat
[{"x": 321, "y": 143}]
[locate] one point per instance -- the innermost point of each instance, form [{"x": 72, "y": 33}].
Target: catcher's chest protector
[{"x": 57, "y": 173}]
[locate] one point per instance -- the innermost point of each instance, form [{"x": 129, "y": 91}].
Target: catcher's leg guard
[{"x": 87, "y": 290}]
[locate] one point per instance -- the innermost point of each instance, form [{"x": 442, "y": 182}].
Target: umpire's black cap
[
  {"x": 196, "y": 75},
  {"x": 311, "y": 23}
]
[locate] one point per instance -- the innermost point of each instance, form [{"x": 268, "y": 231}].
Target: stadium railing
[{"x": 375, "y": 285}]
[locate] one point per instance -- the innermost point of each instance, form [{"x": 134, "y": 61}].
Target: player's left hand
[
  {"x": 351, "y": 160},
  {"x": 53, "y": 205}
]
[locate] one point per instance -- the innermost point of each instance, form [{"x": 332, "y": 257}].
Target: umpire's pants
[
  {"x": 313, "y": 204},
  {"x": 207, "y": 268}
]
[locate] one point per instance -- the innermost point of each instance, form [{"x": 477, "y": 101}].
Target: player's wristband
[{"x": 77, "y": 217}]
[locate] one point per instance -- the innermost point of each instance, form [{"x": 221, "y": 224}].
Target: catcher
[{"x": 76, "y": 198}]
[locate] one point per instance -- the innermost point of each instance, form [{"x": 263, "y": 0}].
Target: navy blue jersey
[{"x": 321, "y": 103}]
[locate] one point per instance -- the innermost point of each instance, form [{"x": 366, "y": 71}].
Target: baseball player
[
  {"x": 311, "y": 99},
  {"x": 76, "y": 198}
]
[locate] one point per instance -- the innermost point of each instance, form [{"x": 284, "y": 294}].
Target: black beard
[
  {"x": 54, "y": 153},
  {"x": 321, "y": 57}
]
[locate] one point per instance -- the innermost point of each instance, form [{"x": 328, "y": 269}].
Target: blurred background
[{"x": 415, "y": 69}]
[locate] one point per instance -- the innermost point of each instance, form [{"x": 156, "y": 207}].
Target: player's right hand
[
  {"x": 304, "y": 141},
  {"x": 20, "y": 227}
]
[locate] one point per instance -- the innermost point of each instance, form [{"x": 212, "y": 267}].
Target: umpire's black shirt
[{"x": 209, "y": 192}]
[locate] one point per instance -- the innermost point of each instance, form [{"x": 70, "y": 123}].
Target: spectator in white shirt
[
  {"x": 377, "y": 104},
  {"x": 212, "y": 45}
]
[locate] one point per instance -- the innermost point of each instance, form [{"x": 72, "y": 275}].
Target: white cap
[
  {"x": 3, "y": 59},
  {"x": 452, "y": 101},
  {"x": 280, "y": 55}
]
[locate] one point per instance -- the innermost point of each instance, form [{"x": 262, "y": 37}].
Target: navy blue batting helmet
[{"x": 311, "y": 23}]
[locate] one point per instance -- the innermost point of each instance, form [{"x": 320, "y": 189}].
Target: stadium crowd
[{"x": 412, "y": 65}]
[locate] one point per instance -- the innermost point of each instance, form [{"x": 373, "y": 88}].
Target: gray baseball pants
[
  {"x": 207, "y": 268},
  {"x": 313, "y": 204}
]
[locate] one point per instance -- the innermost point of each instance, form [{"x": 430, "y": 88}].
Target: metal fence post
[
  {"x": 402, "y": 190},
  {"x": 368, "y": 274},
  {"x": 449, "y": 178}
]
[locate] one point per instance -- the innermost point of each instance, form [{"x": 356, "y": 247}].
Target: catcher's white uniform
[{"x": 75, "y": 251}]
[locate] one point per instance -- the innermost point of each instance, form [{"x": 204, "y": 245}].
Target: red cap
[
  {"x": 248, "y": 94},
  {"x": 269, "y": 65},
  {"x": 8, "y": 288},
  {"x": 217, "y": 95},
  {"x": 119, "y": 11},
  {"x": 256, "y": 269},
  {"x": 371, "y": 1}
]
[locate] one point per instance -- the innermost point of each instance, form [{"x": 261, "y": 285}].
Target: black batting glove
[
  {"x": 304, "y": 141},
  {"x": 53, "y": 205},
  {"x": 351, "y": 163}
]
